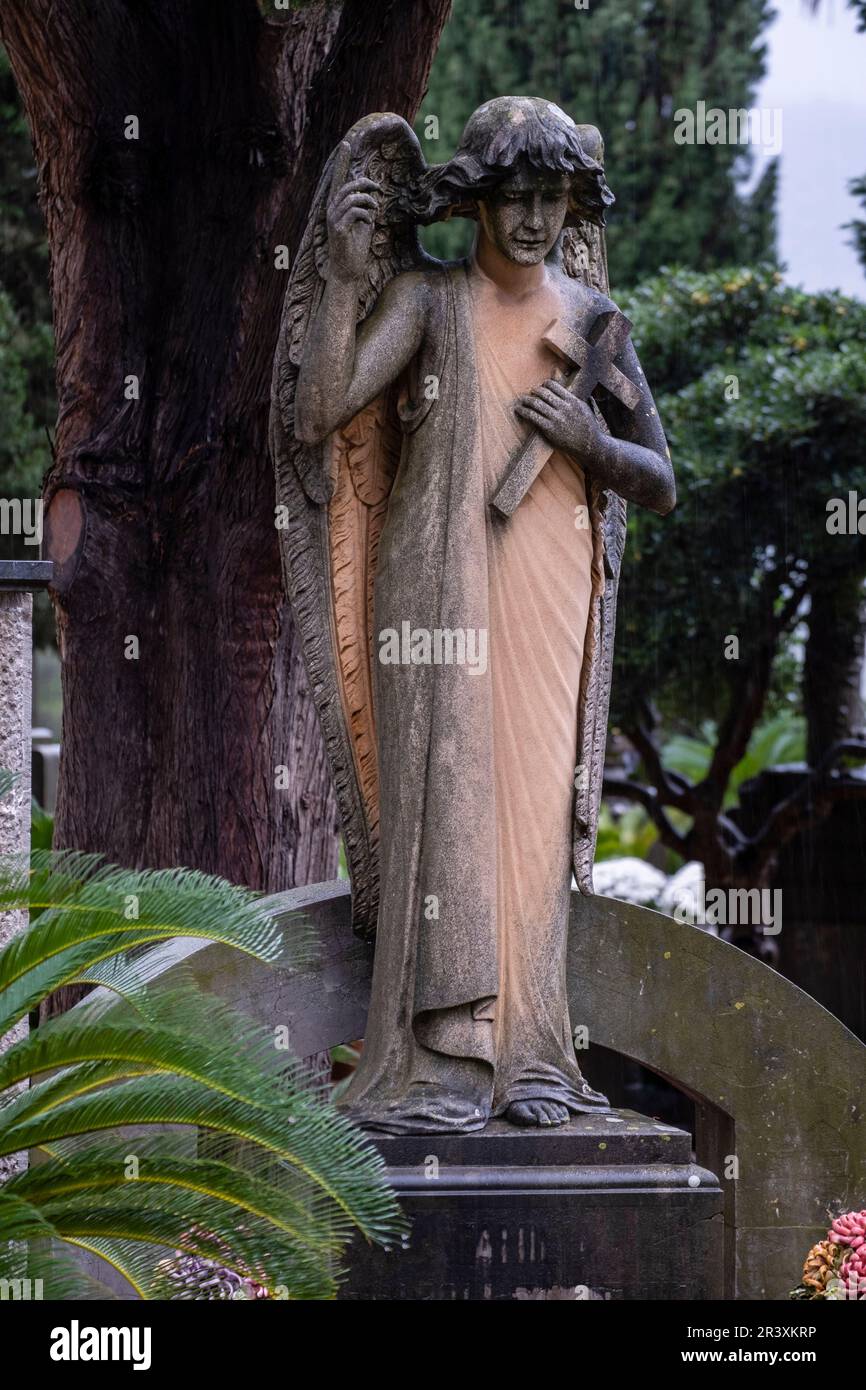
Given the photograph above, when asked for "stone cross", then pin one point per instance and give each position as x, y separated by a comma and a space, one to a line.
593, 361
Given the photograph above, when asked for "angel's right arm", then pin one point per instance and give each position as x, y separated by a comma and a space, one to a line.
342, 370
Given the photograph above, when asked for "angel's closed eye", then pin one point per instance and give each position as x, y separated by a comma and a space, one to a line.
550, 195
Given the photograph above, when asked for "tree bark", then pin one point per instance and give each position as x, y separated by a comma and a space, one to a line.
160, 499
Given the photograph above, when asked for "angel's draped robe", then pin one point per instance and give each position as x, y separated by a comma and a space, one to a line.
477, 766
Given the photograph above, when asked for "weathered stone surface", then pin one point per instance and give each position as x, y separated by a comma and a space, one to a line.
778, 1081
469, 790
621, 1136
16, 610
606, 1207
730, 1031
23, 575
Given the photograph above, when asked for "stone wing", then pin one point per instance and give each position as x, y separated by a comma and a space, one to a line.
334, 499
584, 256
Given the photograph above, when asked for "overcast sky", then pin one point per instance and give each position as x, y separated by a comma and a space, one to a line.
817, 76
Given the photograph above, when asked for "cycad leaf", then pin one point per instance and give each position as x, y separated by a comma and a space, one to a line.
102, 1173
310, 1137
83, 920
200, 1206
281, 1179
32, 1253
19, 1219
254, 1249
229, 1056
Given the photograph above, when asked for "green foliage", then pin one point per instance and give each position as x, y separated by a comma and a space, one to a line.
857, 227
27, 404
631, 834
23, 248
41, 826
859, 8
41, 836
285, 1180
23, 446
626, 66
762, 390
779, 740
347, 1056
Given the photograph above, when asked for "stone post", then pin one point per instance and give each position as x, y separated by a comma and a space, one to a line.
18, 579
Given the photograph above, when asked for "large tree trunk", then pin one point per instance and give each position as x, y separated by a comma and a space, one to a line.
160, 507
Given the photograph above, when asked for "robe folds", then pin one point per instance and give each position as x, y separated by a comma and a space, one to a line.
478, 757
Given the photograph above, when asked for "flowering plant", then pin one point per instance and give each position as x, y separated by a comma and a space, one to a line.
835, 1268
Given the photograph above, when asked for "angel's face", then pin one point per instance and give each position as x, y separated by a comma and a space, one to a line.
525, 213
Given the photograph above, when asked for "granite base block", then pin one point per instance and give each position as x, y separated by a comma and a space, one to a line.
604, 1207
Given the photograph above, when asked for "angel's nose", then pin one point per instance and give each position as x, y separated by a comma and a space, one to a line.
533, 212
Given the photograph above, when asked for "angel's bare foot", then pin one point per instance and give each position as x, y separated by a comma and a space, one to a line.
536, 1112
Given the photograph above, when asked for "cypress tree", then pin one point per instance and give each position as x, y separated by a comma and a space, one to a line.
626, 66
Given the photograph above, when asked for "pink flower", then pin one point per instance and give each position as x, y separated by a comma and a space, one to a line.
852, 1276
849, 1229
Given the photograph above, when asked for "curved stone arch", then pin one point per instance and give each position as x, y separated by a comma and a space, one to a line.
734, 1033
738, 1037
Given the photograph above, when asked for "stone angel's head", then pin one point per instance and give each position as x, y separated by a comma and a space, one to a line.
525, 171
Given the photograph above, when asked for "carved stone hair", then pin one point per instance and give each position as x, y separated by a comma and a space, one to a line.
497, 136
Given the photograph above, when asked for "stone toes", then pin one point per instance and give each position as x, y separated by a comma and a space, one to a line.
519, 1113
552, 1112
555, 1113
537, 1112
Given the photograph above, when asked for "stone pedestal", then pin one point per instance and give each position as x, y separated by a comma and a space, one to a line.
605, 1207
18, 579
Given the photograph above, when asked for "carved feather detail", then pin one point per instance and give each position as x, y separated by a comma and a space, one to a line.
336, 497
367, 453
584, 257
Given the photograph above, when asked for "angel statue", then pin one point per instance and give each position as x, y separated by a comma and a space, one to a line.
454, 447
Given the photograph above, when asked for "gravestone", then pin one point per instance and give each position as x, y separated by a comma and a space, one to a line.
777, 1081
604, 1207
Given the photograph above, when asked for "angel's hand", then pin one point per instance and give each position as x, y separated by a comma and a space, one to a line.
351, 209
568, 423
